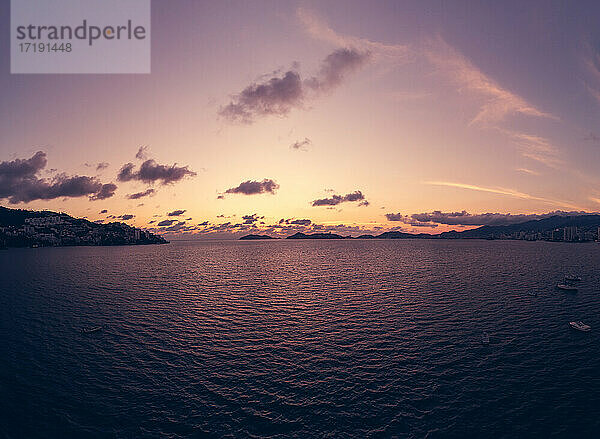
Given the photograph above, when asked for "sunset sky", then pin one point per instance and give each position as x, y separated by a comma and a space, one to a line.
356, 116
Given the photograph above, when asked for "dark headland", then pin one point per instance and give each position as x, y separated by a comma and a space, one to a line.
316, 236
575, 228
28, 228
254, 237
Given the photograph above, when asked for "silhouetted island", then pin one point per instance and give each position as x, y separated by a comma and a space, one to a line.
29, 228
254, 237
300, 235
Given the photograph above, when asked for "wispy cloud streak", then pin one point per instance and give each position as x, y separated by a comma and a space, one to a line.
505, 191
318, 28
497, 102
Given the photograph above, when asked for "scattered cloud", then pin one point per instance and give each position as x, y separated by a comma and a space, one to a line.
104, 211
251, 187
274, 96
294, 222
20, 182
101, 166
406, 219
142, 153
176, 213
151, 172
251, 219
335, 67
334, 200
301, 145
106, 191
165, 223
280, 92
125, 217
301, 222
142, 194
176, 227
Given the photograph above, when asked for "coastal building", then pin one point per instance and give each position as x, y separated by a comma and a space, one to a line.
570, 234
557, 235
44, 221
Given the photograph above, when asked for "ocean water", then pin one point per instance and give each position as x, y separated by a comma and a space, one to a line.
301, 339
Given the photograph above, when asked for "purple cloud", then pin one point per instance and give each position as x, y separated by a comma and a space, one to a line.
20, 182
139, 195
251, 187
151, 172
334, 200
282, 92
164, 223
301, 145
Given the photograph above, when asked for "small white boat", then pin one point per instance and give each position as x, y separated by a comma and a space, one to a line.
580, 326
566, 287
485, 338
533, 293
572, 278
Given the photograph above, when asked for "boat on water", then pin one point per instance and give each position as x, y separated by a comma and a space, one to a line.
485, 338
533, 293
580, 326
91, 330
572, 278
566, 287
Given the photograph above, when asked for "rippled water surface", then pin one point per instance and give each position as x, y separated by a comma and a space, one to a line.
335, 339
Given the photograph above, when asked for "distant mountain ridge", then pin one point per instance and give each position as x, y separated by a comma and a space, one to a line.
542, 229
534, 226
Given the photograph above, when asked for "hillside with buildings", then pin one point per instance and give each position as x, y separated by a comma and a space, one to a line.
577, 228
27, 228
